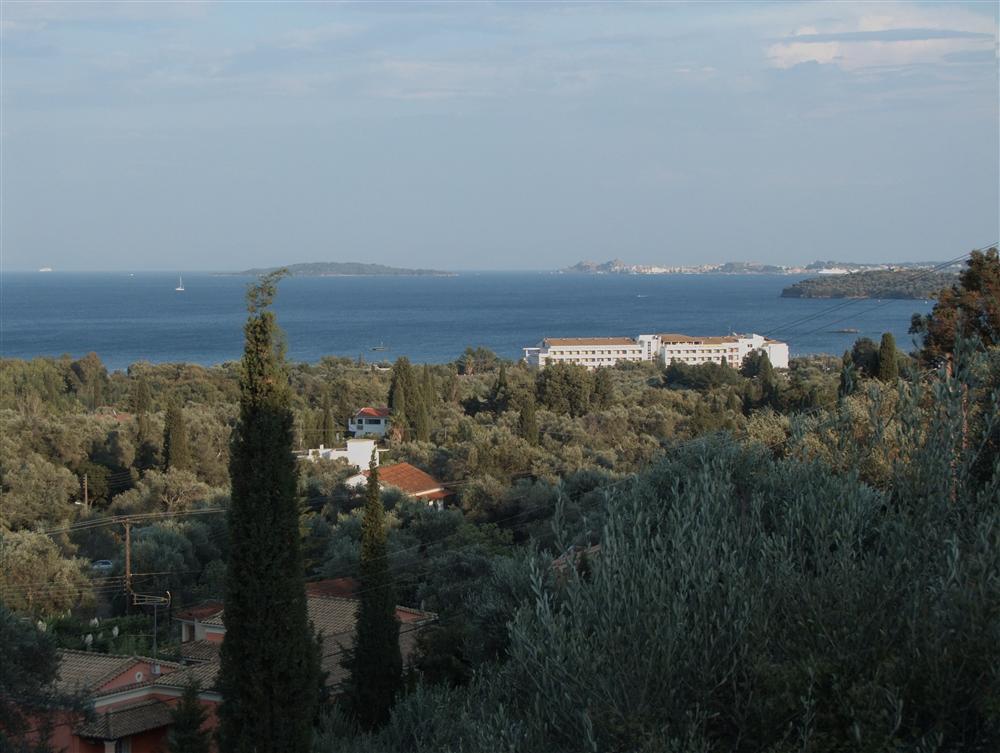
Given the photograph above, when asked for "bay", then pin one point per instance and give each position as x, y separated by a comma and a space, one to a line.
125, 319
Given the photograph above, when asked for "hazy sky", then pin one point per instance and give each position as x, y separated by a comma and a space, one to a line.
184, 136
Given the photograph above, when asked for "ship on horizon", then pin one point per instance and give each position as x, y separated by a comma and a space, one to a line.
45, 269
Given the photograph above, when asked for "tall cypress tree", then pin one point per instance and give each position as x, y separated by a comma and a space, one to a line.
528, 425
404, 397
500, 394
270, 672
374, 663
176, 451
327, 424
888, 368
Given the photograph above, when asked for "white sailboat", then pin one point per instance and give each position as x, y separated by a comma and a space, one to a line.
180, 284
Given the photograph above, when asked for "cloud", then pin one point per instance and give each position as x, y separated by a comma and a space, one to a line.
904, 36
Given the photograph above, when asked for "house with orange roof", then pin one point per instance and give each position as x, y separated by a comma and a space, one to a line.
369, 422
131, 699
408, 479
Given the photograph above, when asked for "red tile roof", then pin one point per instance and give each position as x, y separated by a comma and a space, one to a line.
409, 479
199, 611
343, 587
589, 341
373, 412
126, 721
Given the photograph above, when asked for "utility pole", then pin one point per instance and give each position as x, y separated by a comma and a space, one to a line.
86, 498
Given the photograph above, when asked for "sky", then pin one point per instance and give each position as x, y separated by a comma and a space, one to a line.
506, 135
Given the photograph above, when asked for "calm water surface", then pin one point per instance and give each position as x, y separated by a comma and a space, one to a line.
125, 318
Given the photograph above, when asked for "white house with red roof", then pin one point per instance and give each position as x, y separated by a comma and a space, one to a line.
368, 421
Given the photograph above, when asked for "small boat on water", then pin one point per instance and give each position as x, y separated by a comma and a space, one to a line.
847, 331
180, 285
380, 346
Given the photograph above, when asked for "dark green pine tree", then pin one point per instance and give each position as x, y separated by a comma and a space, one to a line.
427, 386
404, 400
187, 721
604, 389
421, 420
888, 367
374, 664
270, 675
848, 376
176, 451
142, 406
768, 381
500, 394
328, 430
527, 423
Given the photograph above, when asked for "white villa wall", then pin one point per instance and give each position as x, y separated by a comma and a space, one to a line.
357, 453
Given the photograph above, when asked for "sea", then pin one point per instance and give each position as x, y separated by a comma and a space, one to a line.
126, 318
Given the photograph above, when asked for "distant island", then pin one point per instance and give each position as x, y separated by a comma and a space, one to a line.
347, 269
894, 283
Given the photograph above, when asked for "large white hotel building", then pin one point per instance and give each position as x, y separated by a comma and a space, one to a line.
593, 352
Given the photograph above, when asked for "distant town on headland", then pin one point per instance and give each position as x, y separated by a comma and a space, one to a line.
619, 267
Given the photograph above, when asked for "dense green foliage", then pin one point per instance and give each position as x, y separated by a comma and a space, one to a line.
27, 673
883, 283
776, 541
187, 733
970, 308
270, 663
742, 600
374, 662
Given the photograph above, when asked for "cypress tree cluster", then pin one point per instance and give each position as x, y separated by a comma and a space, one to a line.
374, 663
411, 399
270, 673
176, 451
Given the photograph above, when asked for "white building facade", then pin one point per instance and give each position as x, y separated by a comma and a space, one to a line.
369, 422
357, 453
594, 352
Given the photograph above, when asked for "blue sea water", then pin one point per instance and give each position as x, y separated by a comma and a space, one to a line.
126, 318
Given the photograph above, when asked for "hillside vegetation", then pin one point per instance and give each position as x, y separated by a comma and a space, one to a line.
883, 283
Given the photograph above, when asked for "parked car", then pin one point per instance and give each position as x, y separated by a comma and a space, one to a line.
102, 565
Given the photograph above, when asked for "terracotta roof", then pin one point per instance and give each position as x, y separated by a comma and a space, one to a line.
343, 587
589, 341
199, 651
205, 675
408, 478
86, 670
199, 611
373, 412
124, 721
335, 617
669, 338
